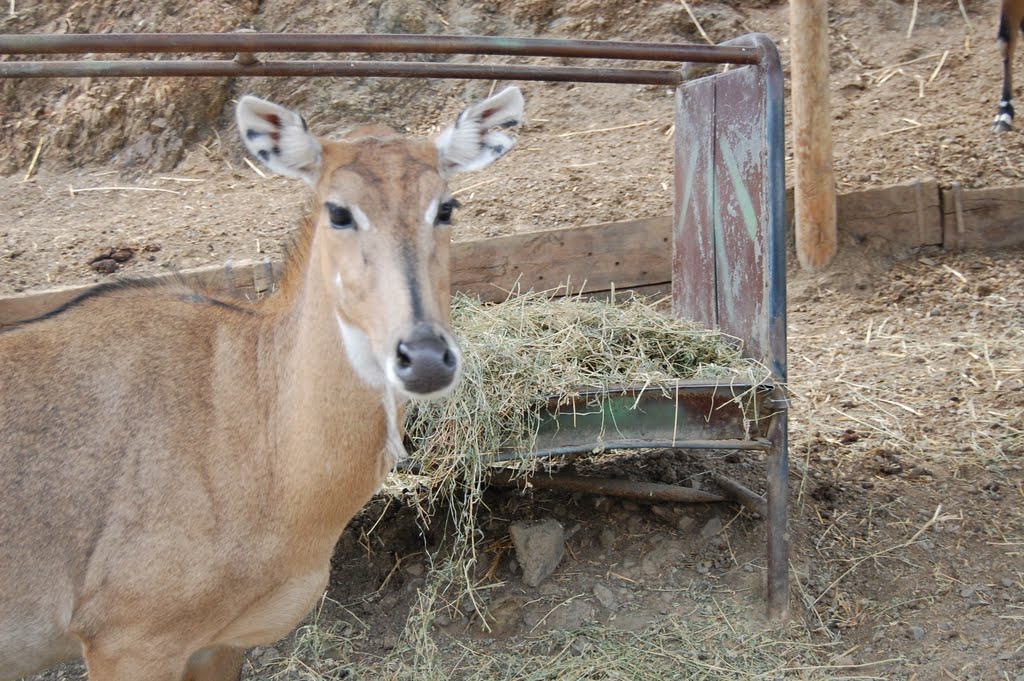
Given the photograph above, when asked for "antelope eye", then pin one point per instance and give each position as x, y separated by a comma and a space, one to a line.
341, 217
444, 212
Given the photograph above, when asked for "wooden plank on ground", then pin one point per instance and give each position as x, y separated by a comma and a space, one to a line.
594, 258
992, 217
906, 214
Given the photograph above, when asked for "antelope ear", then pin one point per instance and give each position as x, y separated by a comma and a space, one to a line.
279, 138
469, 143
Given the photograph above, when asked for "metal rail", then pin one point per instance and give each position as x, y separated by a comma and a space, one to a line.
378, 43
249, 43
66, 69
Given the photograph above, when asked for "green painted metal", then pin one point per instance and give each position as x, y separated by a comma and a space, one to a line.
692, 415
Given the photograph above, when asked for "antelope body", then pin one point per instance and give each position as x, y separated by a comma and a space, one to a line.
1011, 23
175, 470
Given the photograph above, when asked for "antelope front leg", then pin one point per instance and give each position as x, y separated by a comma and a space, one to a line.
134, 665
219, 663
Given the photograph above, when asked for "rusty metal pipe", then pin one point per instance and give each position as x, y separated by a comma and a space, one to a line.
747, 498
73, 69
362, 43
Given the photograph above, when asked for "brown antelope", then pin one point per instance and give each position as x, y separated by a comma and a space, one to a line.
1011, 16
175, 468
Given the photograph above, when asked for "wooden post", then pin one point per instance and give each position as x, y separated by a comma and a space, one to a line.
815, 196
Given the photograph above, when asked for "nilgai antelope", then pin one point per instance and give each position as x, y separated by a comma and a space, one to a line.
1011, 16
175, 469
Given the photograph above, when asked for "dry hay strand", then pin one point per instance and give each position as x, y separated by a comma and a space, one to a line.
715, 639
520, 354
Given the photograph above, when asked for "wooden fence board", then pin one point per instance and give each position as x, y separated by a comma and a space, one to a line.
639, 253
992, 217
595, 258
245, 279
906, 214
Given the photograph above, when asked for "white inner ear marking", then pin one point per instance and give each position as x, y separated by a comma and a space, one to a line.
362, 222
431, 215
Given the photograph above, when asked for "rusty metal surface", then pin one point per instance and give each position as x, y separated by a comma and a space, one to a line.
740, 220
372, 43
249, 43
696, 415
740, 190
749, 499
386, 69
774, 311
693, 238
777, 472
729, 253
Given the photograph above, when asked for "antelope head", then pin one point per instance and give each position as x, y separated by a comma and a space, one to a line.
381, 231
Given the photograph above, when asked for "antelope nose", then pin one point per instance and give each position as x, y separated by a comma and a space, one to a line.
425, 362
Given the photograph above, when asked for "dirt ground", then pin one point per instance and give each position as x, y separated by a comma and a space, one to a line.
907, 429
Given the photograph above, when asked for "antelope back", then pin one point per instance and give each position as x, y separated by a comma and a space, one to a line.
379, 235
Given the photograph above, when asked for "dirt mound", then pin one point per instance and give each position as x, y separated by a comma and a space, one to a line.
136, 123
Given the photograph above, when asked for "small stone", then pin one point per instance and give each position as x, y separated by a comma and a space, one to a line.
539, 548
606, 597
916, 633
686, 524
606, 538
664, 513
711, 528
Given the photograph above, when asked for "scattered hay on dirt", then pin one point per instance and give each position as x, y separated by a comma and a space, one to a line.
717, 639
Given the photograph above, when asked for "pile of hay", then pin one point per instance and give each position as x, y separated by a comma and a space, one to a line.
521, 353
